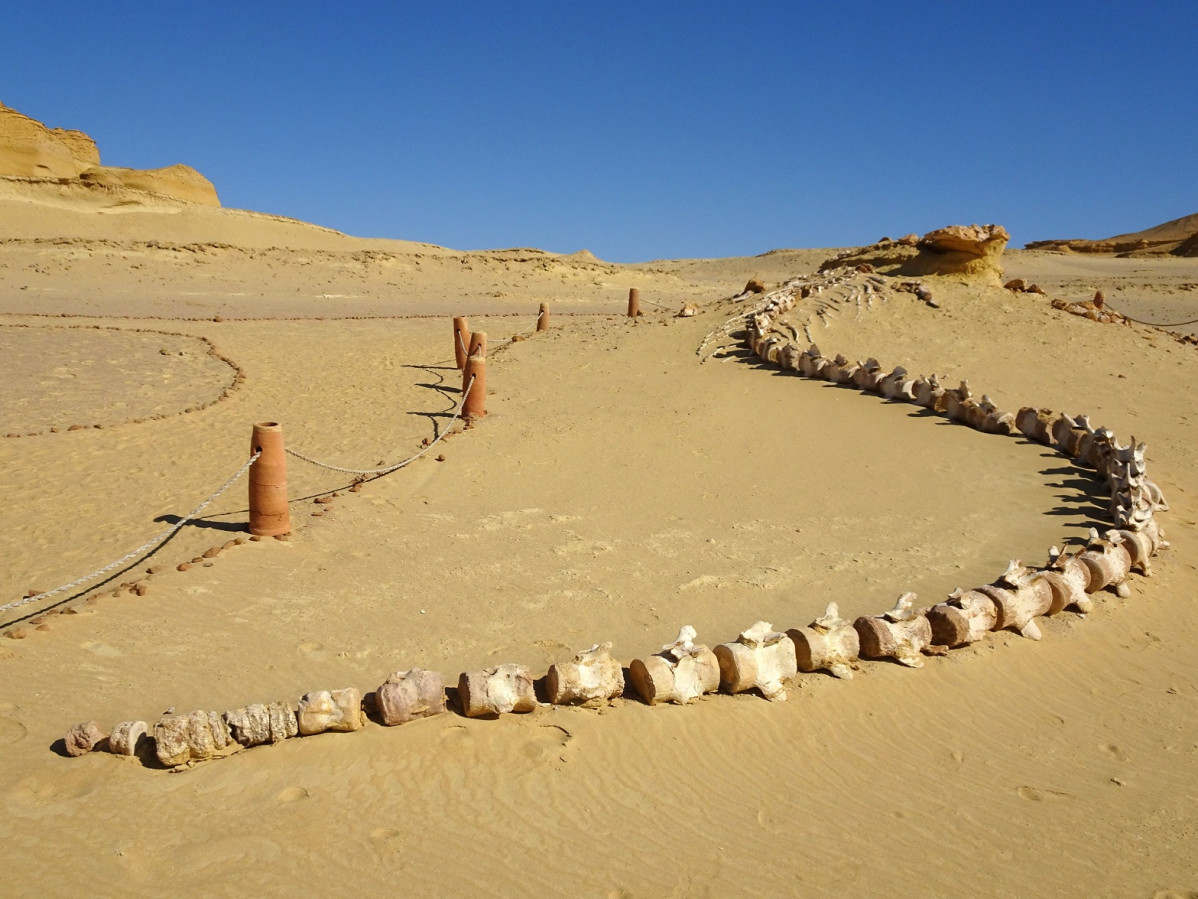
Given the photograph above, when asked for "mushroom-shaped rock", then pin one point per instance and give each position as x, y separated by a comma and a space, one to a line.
497, 691
126, 736
336, 710
830, 642
903, 633
761, 657
966, 617
408, 695
592, 676
82, 738
680, 673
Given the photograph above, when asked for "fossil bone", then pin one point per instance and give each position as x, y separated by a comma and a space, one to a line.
126, 736
335, 710
592, 676
408, 695
256, 724
902, 633
1109, 561
497, 691
82, 738
194, 737
966, 617
680, 673
761, 657
829, 642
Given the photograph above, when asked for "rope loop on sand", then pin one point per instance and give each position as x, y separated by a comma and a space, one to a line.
144, 548
398, 465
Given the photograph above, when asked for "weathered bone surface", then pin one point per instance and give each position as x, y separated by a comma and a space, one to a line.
903, 633
82, 738
1035, 424
929, 393
811, 363
830, 642
408, 695
126, 737
335, 710
761, 657
257, 724
680, 673
967, 617
1108, 561
1022, 595
497, 691
1010, 614
897, 386
1068, 577
955, 399
868, 374
194, 737
592, 676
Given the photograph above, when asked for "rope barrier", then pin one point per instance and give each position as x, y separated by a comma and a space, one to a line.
390, 468
1157, 324
144, 548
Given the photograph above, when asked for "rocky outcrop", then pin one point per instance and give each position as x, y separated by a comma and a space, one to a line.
1178, 237
178, 181
28, 149
973, 251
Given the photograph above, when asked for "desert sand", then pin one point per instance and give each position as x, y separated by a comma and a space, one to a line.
619, 488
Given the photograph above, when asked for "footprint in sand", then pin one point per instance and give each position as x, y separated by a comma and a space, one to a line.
546, 743
1114, 752
11, 731
314, 651
292, 794
1036, 795
95, 647
387, 839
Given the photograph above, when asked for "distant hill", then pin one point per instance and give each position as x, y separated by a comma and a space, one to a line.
1178, 237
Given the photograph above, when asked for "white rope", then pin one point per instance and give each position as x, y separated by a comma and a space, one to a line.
144, 548
398, 465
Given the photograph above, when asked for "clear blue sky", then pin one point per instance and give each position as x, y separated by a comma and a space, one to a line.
638, 130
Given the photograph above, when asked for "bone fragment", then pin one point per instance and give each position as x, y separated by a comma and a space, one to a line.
258, 723
1108, 561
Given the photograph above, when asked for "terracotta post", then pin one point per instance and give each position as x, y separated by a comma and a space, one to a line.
461, 338
634, 302
543, 318
269, 513
476, 369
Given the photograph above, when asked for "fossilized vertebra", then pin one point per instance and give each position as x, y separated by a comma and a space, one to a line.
497, 691
903, 633
592, 676
829, 642
761, 657
680, 673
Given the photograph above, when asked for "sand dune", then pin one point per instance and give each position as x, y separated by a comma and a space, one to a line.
617, 489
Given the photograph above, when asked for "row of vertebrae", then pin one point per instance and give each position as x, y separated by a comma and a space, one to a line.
1134, 496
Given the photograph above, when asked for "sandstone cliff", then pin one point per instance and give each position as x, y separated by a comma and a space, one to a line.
970, 251
30, 150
